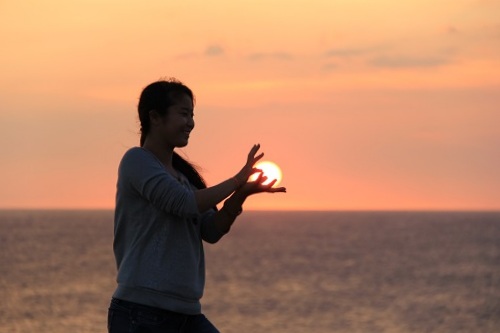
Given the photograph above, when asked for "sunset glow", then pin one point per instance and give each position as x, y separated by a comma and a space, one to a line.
382, 104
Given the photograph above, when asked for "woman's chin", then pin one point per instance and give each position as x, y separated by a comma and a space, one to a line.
182, 143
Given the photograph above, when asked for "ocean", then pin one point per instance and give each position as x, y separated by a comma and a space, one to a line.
321, 272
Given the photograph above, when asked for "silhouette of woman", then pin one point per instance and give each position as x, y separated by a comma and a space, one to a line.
164, 212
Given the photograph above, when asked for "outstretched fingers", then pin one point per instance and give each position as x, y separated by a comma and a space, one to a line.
270, 186
255, 170
253, 151
277, 189
258, 157
252, 159
271, 189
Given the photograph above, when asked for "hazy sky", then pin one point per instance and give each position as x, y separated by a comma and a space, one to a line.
363, 104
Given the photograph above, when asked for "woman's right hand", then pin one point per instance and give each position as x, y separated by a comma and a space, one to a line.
249, 169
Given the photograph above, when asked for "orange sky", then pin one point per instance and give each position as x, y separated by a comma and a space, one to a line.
363, 104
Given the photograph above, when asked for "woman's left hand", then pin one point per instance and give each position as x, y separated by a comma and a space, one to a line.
258, 186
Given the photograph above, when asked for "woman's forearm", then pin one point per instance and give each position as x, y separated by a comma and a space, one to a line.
225, 217
211, 196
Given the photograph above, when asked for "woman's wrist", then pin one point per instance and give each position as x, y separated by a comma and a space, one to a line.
231, 212
233, 206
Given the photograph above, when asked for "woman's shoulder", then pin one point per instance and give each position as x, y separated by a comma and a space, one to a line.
134, 151
138, 162
138, 155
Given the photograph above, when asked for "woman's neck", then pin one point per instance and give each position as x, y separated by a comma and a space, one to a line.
164, 154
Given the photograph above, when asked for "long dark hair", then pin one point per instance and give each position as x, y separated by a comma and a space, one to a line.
159, 96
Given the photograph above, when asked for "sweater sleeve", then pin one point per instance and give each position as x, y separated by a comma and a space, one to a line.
145, 175
209, 231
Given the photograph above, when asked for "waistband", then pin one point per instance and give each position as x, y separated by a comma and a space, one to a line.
127, 305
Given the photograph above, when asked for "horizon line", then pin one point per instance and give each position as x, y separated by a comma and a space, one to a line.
493, 210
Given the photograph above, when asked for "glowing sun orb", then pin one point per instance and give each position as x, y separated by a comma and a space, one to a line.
271, 170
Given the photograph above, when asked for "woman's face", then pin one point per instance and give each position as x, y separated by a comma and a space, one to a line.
178, 122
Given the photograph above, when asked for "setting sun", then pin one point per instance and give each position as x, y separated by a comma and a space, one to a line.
271, 170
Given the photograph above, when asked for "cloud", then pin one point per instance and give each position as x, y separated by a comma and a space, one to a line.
211, 51
387, 56
328, 67
407, 62
344, 53
272, 56
452, 30
214, 51
353, 52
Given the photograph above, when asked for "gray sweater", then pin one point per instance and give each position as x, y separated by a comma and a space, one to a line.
158, 235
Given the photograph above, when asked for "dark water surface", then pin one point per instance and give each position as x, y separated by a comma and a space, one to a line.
275, 272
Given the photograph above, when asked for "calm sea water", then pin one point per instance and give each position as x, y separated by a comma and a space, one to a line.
275, 272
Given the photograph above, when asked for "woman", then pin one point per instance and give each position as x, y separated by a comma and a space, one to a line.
163, 212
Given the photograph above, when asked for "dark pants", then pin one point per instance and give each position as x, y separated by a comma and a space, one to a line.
128, 317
